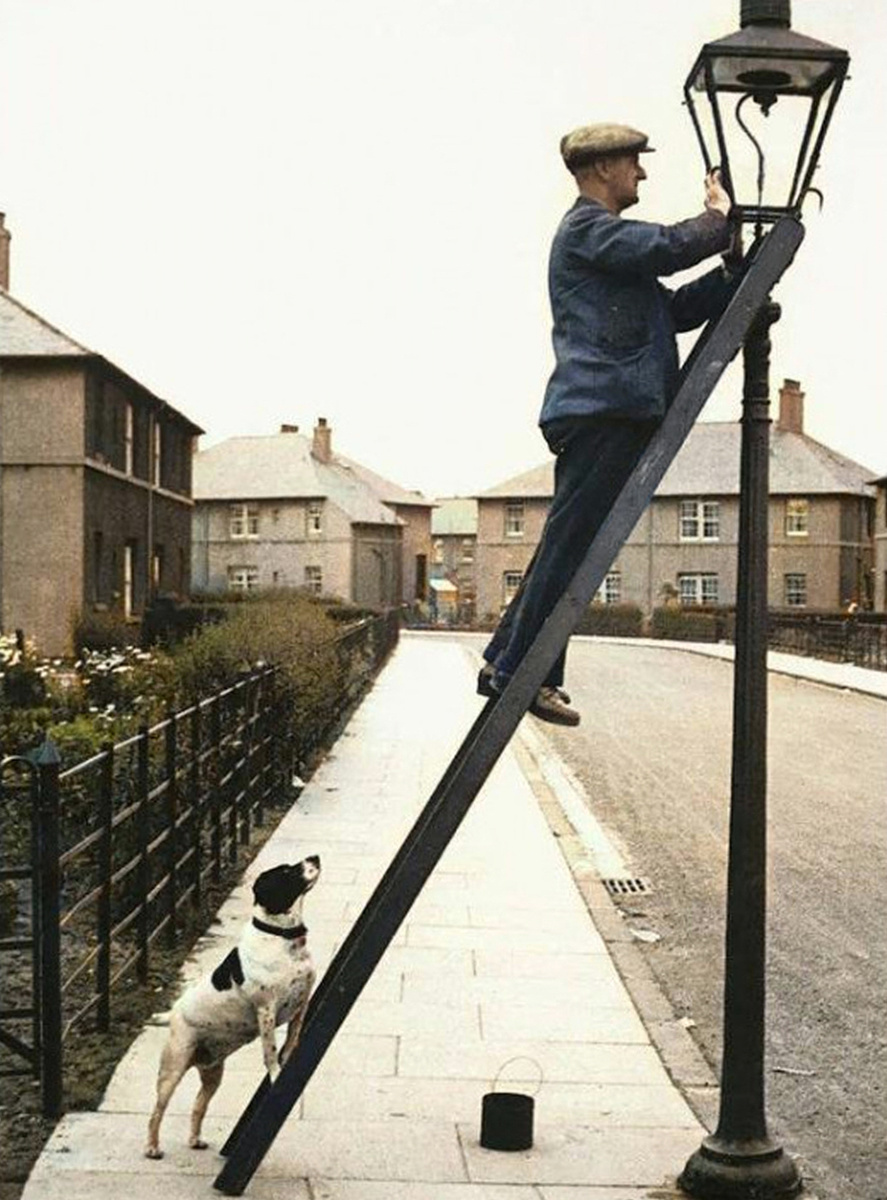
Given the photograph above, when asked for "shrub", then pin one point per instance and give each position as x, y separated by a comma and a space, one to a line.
103, 631
691, 624
290, 632
612, 620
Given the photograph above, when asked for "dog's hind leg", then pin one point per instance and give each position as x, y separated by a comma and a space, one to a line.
173, 1065
210, 1078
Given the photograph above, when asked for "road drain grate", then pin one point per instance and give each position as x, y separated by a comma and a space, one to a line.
627, 887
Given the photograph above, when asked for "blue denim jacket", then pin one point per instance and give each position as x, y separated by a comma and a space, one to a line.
614, 322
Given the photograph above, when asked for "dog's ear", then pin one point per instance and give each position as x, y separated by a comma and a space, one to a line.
277, 889
268, 889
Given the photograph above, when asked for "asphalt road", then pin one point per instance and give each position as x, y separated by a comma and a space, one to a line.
653, 753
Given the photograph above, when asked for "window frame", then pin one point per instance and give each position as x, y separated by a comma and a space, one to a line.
700, 580
313, 577
515, 519
700, 515
250, 582
801, 516
246, 517
314, 518
510, 590
788, 596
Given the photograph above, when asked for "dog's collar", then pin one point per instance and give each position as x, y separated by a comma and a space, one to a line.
290, 932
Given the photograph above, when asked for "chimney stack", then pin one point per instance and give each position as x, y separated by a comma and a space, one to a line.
289, 429
322, 443
791, 407
5, 237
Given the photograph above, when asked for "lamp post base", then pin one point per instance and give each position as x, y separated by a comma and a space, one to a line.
721, 1170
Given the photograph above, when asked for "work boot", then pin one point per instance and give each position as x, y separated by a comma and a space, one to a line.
549, 706
486, 686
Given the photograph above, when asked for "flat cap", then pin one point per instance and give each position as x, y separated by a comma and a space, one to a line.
589, 142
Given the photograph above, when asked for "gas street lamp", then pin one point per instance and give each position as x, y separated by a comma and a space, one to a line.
793, 80
764, 63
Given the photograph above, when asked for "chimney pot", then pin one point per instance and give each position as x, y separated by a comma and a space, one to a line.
322, 441
791, 407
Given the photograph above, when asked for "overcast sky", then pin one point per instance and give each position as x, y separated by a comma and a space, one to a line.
274, 210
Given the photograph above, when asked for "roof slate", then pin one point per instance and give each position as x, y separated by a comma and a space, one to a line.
455, 516
24, 334
281, 466
708, 464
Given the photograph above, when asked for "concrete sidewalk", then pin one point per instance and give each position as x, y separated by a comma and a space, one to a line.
499, 959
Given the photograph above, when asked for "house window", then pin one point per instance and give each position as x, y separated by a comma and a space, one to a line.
156, 567
243, 579
438, 551
700, 520
243, 521
514, 518
699, 588
315, 517
156, 458
796, 590
511, 581
314, 580
610, 591
797, 514
129, 572
129, 422
468, 550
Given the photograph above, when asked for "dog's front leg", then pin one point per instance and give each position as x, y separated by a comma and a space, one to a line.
266, 1017
294, 1029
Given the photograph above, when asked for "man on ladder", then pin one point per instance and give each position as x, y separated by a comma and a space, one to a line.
616, 369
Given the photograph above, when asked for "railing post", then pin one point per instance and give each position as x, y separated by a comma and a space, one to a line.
233, 782
47, 764
195, 801
246, 772
103, 927
172, 817
143, 833
216, 795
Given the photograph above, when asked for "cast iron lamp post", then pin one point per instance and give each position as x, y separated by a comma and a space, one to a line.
764, 63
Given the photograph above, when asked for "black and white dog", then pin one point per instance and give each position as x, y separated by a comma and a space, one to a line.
264, 982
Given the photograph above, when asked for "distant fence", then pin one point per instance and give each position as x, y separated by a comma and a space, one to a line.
858, 638
120, 846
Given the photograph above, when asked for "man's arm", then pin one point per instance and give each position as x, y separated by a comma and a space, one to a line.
637, 247
703, 298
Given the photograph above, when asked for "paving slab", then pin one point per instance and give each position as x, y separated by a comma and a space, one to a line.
497, 978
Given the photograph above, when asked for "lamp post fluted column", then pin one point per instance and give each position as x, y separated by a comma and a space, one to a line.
741, 1161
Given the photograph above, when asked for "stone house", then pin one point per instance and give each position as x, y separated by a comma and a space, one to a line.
95, 484
285, 511
454, 550
685, 545
881, 544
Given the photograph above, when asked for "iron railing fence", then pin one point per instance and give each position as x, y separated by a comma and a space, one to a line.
125, 843
858, 638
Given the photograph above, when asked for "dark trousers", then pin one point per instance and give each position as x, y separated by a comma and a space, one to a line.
594, 458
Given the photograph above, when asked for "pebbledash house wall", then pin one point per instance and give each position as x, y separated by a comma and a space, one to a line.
62, 482
41, 500
415, 548
880, 564
280, 552
834, 554
360, 563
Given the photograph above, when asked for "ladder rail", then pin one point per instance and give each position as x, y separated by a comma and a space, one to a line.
495, 725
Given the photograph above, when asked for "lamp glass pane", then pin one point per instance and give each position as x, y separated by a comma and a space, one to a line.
804, 74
